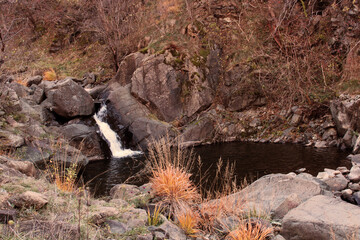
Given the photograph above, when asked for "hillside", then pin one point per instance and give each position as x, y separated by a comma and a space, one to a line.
250, 69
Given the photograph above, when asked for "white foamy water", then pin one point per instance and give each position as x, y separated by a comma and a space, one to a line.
111, 137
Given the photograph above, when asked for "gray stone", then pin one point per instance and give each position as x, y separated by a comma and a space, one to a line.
329, 134
34, 80
101, 214
38, 95
171, 231
322, 218
345, 113
268, 193
127, 67
201, 130
29, 199
343, 170
70, 155
96, 91
70, 100
295, 120
24, 167
336, 183
124, 191
73, 131
347, 195
320, 144
278, 237
354, 174
355, 159
349, 139
34, 155
135, 218
357, 197
159, 85
116, 227
354, 186
292, 201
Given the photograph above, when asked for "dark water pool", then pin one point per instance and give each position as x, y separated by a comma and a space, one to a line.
252, 160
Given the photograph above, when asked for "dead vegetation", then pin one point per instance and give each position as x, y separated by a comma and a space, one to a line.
198, 214
284, 46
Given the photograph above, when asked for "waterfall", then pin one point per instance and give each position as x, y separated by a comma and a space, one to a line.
111, 137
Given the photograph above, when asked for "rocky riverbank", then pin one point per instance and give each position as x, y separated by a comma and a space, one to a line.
35, 112
297, 206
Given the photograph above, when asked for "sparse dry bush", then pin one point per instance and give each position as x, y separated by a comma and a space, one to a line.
117, 24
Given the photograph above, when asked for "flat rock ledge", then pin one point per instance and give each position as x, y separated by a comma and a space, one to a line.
322, 217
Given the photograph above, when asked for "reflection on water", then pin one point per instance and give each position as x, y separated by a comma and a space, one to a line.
252, 161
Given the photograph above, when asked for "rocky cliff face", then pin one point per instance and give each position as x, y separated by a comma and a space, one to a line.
39, 121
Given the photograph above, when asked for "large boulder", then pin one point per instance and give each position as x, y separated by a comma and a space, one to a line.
199, 131
128, 114
127, 68
322, 218
275, 192
346, 111
85, 138
68, 99
169, 92
159, 86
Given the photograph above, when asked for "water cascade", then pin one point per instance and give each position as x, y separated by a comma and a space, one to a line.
111, 137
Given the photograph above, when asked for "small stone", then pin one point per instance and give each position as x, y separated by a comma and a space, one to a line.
25, 167
346, 195
292, 201
124, 191
337, 183
102, 213
320, 144
330, 172
295, 120
300, 170
354, 174
323, 175
29, 199
357, 197
343, 170
354, 186
116, 227
34, 80
291, 174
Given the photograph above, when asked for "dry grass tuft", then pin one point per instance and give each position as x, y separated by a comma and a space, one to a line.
173, 185
249, 231
188, 220
21, 82
170, 169
63, 174
50, 75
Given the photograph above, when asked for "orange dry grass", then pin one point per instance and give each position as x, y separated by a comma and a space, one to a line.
173, 185
213, 211
21, 82
65, 185
169, 166
50, 75
247, 231
188, 221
